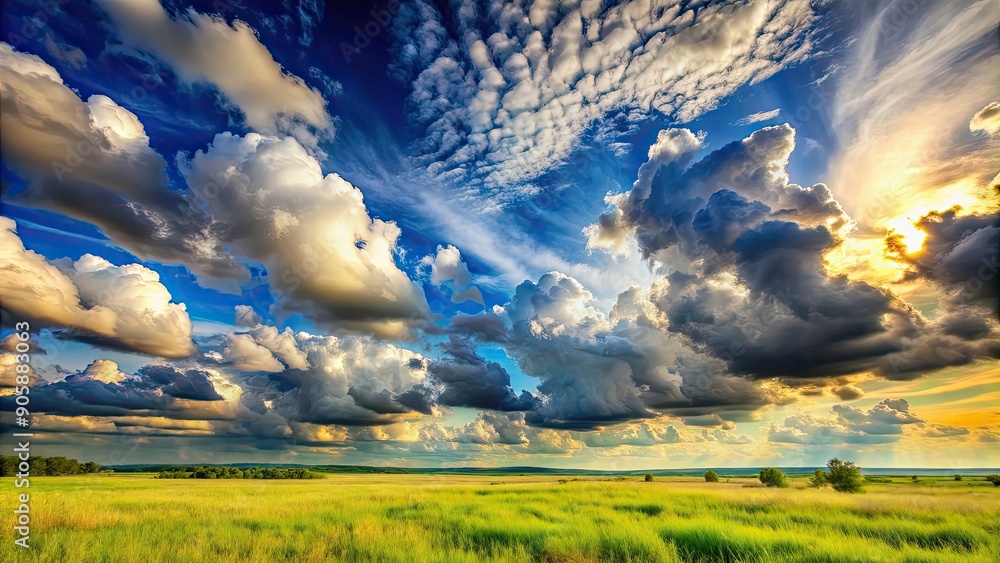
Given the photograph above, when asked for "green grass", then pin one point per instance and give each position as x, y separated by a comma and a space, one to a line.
412, 518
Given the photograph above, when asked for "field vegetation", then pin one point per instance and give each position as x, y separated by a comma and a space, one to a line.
413, 518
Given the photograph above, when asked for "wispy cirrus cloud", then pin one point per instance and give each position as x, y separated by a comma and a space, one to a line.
758, 117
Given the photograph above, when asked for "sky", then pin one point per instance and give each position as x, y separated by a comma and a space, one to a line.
557, 233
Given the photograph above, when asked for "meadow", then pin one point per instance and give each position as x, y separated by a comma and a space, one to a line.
412, 518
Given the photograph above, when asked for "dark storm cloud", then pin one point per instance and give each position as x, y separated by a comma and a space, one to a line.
190, 384
733, 216
471, 381
961, 254
486, 326
102, 390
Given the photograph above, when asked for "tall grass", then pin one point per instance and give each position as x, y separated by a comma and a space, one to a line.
410, 518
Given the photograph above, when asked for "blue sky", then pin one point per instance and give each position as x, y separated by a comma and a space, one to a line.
552, 233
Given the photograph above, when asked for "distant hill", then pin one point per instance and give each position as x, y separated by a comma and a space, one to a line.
528, 470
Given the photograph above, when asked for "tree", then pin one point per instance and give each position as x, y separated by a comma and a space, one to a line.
818, 480
711, 476
958, 477
90, 467
773, 477
8, 465
995, 479
845, 476
649, 478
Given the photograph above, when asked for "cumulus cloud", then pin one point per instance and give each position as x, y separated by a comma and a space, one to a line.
246, 317
325, 255
92, 161
205, 49
596, 370
346, 380
471, 381
102, 389
881, 424
122, 306
507, 92
961, 253
254, 198
748, 281
447, 267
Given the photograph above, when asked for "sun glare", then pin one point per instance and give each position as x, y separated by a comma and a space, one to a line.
911, 237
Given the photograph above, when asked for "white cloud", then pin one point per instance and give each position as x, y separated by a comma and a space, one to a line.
447, 267
325, 255
758, 117
512, 98
987, 120
92, 161
255, 197
203, 48
124, 305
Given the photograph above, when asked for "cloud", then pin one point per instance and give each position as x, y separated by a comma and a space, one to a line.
901, 105
205, 49
345, 380
325, 256
961, 253
507, 93
749, 282
246, 317
882, 424
447, 267
254, 198
596, 370
69, 55
987, 120
157, 390
471, 381
123, 306
758, 117
644, 434
92, 161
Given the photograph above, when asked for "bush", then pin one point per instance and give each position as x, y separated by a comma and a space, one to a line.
711, 476
995, 479
818, 479
649, 478
773, 477
845, 476
958, 477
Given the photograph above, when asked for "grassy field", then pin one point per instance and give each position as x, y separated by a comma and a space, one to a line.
479, 518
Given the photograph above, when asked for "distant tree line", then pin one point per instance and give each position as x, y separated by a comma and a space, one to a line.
220, 472
46, 466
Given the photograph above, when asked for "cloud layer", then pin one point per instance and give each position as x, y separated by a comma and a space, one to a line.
507, 89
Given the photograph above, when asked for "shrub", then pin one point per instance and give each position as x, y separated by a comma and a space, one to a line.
845, 476
958, 477
711, 476
818, 479
649, 477
773, 477
995, 479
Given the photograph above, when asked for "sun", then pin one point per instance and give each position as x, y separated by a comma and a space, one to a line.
911, 237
